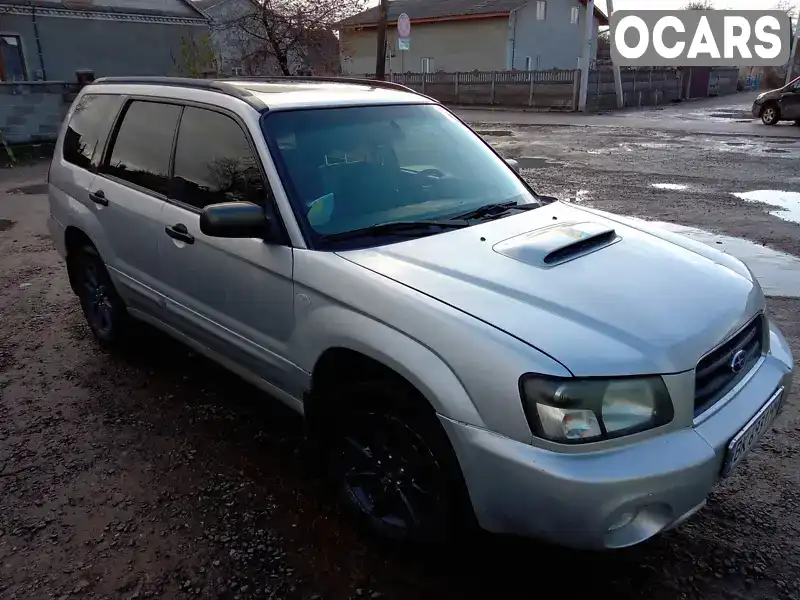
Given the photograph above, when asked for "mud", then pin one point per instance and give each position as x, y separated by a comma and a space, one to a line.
154, 473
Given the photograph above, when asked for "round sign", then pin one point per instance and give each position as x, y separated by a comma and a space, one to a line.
404, 26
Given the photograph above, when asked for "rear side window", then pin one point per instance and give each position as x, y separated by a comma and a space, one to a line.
88, 128
214, 162
142, 147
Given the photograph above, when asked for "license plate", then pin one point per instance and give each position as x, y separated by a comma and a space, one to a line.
748, 437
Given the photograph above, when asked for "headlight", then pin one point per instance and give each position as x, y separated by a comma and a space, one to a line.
588, 410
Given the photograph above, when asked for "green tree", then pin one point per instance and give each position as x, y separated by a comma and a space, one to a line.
196, 56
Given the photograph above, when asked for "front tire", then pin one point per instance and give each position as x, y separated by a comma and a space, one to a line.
393, 466
102, 306
770, 114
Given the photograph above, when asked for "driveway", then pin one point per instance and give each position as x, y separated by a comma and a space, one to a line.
157, 474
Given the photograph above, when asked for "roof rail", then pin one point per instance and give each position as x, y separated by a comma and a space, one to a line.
214, 85
378, 83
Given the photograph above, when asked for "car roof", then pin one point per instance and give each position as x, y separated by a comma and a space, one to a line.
281, 93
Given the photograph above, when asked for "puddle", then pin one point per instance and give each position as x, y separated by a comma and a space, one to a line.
580, 196
494, 132
34, 189
729, 114
777, 272
788, 203
669, 186
655, 145
6, 224
790, 150
536, 162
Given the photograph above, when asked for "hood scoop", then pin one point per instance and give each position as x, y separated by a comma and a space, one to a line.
557, 244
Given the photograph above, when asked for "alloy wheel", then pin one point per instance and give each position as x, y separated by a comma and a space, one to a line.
389, 473
97, 299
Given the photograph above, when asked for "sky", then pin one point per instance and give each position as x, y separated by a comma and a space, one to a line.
665, 4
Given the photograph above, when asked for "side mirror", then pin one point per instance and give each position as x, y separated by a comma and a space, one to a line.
234, 220
513, 164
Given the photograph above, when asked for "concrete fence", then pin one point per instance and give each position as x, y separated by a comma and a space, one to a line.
656, 86
33, 111
556, 89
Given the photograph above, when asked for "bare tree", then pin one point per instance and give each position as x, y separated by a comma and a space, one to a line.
699, 5
289, 33
787, 6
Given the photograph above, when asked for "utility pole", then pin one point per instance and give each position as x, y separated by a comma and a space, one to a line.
380, 64
617, 75
587, 49
793, 55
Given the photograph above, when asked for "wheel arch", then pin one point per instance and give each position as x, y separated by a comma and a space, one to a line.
362, 346
74, 239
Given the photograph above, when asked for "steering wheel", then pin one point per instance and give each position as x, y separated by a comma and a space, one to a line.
430, 173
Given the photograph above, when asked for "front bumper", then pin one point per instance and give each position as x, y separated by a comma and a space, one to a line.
577, 499
756, 110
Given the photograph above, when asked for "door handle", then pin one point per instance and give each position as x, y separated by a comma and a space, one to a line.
179, 232
98, 197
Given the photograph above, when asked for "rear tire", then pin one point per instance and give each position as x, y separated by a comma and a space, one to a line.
102, 306
393, 466
770, 114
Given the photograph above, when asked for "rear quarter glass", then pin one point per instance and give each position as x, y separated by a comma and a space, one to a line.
89, 126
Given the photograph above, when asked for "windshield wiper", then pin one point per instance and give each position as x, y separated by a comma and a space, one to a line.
410, 228
495, 210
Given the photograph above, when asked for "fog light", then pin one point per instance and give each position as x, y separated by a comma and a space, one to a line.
625, 518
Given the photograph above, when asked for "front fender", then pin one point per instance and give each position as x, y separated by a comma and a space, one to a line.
335, 326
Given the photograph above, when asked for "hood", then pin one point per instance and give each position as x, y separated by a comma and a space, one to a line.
601, 294
770, 95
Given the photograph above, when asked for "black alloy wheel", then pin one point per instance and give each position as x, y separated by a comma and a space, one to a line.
392, 471
102, 307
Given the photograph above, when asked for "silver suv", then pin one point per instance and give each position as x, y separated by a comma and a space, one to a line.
464, 349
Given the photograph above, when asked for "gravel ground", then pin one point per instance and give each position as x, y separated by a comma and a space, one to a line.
157, 474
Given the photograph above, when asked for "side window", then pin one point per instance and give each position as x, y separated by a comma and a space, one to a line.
214, 162
88, 128
143, 145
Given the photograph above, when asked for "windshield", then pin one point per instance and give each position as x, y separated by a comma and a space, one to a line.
348, 169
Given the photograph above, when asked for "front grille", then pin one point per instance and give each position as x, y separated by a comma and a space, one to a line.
715, 375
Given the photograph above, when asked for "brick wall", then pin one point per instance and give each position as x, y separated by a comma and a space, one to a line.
34, 111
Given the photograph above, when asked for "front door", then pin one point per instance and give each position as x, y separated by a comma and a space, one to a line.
235, 296
790, 103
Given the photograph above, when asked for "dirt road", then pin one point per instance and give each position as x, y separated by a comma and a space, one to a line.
157, 474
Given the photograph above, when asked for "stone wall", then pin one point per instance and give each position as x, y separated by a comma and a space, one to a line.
34, 111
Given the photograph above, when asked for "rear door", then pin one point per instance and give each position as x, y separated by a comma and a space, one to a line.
75, 162
128, 196
233, 295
